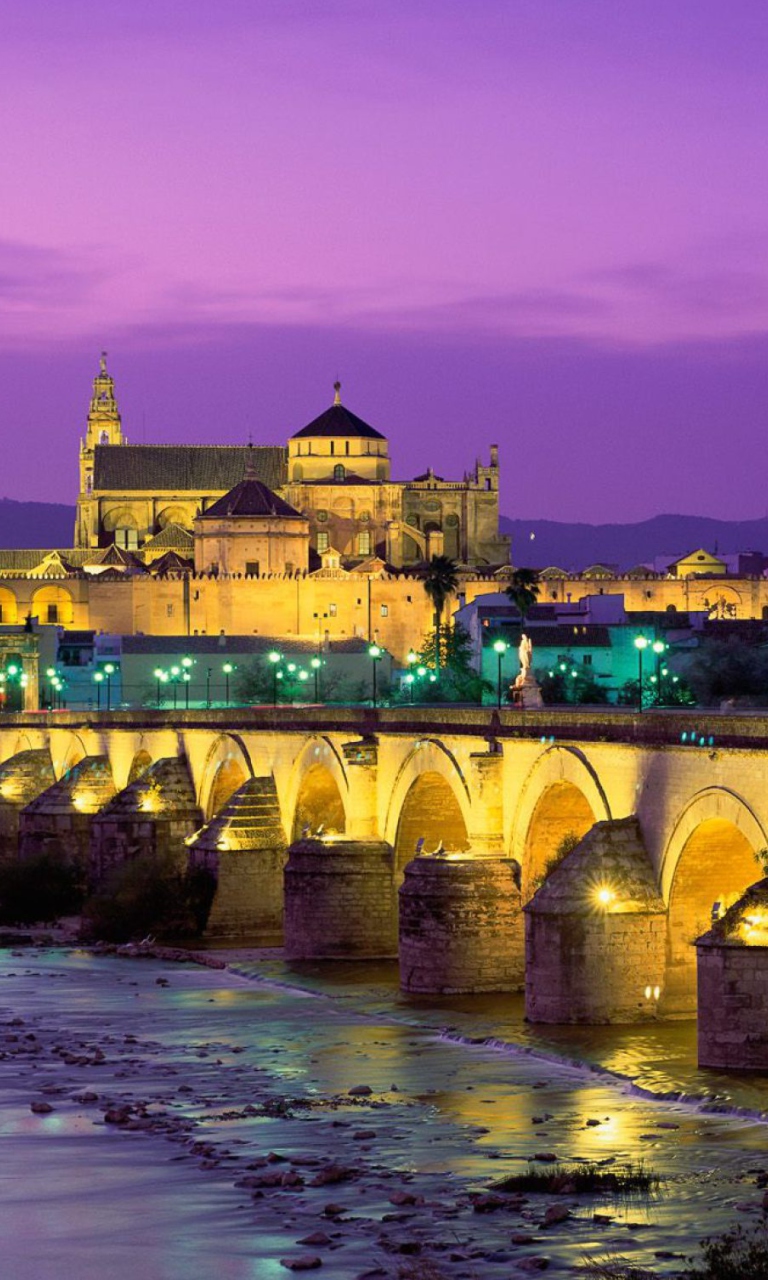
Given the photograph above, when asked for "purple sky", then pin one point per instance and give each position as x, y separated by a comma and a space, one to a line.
537, 222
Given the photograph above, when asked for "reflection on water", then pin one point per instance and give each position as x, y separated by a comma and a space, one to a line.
659, 1057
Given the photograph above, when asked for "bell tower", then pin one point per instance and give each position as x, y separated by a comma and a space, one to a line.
104, 427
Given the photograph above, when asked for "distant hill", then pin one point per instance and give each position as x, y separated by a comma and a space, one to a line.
36, 524
574, 546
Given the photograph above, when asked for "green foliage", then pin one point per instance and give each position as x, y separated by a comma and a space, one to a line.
523, 590
39, 889
728, 668
440, 581
565, 846
457, 680
252, 682
149, 895
563, 687
735, 1255
581, 1179
674, 693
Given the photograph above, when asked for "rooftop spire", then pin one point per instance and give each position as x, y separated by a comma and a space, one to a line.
337, 392
250, 465
103, 365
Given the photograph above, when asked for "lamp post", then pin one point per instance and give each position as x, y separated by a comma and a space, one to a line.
641, 644
175, 673
227, 669
51, 676
409, 680
208, 675
658, 647
303, 676
158, 680
274, 658
500, 648
316, 664
98, 678
374, 653
109, 671
186, 675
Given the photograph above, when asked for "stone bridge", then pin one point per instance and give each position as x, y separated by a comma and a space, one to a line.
432, 832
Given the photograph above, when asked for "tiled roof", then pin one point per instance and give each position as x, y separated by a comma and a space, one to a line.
199, 468
21, 560
171, 562
250, 498
338, 421
225, 646
171, 536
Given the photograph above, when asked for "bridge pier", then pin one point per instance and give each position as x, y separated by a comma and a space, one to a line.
595, 933
244, 847
461, 927
59, 820
732, 964
22, 778
153, 815
340, 900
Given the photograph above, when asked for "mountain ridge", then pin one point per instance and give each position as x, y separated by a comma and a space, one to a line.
574, 546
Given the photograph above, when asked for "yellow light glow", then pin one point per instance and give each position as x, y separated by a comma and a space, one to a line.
605, 896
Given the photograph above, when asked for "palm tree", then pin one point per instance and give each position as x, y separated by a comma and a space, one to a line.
441, 580
523, 591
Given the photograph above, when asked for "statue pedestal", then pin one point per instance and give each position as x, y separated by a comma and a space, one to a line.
527, 693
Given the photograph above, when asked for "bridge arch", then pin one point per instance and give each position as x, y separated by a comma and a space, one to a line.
431, 800
317, 791
67, 753
227, 766
561, 797
709, 859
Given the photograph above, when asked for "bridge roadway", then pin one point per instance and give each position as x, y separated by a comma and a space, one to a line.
351, 794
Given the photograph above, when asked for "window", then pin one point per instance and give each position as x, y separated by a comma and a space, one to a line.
333, 447
385, 611
251, 568
321, 517
289, 566
364, 543
331, 610
169, 610
127, 538
104, 437
587, 659
364, 517
346, 446
323, 542
339, 471
52, 613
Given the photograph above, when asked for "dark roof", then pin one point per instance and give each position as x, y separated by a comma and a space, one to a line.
196, 468
338, 421
250, 498
226, 645
173, 536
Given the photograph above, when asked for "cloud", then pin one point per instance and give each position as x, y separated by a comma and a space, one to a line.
36, 275
730, 292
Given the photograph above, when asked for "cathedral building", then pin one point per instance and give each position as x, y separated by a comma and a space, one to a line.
334, 474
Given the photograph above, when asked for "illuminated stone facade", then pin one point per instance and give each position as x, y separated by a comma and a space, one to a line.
335, 472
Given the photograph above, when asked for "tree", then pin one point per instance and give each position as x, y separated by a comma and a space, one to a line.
523, 591
458, 682
441, 581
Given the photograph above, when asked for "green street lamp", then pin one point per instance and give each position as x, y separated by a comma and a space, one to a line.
98, 678
274, 657
109, 671
409, 680
227, 669
316, 664
500, 648
374, 653
186, 677
658, 647
641, 644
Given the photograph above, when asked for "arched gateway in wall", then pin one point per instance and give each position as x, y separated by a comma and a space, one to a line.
430, 801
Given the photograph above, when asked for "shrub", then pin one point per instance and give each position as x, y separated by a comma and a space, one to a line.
39, 889
149, 895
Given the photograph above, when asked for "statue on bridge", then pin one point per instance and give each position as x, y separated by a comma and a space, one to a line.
525, 689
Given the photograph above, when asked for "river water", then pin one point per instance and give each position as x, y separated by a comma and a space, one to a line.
230, 1080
